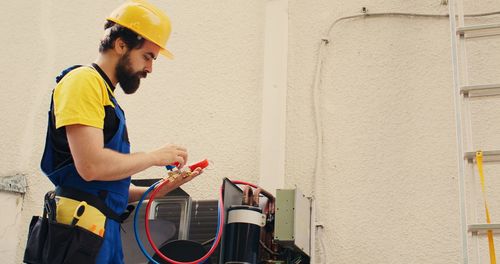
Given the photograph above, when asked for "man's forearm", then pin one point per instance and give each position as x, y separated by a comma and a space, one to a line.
95, 162
135, 193
109, 165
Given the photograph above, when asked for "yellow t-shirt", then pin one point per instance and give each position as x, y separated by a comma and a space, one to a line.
80, 98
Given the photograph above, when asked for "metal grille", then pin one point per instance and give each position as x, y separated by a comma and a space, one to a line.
203, 224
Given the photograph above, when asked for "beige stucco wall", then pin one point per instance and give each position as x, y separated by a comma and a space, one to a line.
11, 222
387, 189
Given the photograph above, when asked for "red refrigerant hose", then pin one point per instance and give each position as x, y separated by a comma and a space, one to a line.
203, 164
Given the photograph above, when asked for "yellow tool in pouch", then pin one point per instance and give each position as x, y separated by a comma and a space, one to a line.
80, 209
80, 213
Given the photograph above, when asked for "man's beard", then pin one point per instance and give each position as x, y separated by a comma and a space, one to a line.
129, 81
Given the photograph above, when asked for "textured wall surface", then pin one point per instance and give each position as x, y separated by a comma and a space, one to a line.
387, 189
11, 221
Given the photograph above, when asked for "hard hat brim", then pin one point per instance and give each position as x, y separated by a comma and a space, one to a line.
167, 54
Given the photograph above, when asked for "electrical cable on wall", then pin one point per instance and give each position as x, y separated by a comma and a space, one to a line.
316, 90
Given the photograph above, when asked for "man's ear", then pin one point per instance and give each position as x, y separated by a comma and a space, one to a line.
120, 47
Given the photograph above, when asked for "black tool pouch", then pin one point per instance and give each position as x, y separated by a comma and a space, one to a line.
70, 244
50, 242
37, 235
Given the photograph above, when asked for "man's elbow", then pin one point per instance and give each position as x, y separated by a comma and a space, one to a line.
87, 172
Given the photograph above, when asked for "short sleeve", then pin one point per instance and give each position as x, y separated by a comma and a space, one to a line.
79, 99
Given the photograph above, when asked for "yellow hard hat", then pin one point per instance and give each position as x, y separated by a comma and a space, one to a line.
146, 20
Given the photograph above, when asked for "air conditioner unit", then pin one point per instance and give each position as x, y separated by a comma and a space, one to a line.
258, 227
172, 217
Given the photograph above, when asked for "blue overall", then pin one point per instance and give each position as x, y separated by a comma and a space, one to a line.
117, 191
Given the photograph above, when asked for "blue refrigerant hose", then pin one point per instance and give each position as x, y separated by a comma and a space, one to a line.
136, 233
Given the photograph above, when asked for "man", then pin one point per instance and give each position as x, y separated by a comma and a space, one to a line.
87, 153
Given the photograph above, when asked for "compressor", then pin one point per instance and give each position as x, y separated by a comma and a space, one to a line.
246, 230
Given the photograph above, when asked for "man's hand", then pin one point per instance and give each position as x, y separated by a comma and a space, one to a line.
175, 182
136, 192
170, 154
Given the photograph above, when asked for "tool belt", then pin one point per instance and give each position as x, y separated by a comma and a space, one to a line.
97, 202
71, 229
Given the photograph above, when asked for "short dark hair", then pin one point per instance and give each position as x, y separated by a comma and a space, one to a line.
131, 39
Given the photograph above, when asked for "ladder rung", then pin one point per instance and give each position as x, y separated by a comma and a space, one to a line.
492, 155
475, 228
479, 30
481, 90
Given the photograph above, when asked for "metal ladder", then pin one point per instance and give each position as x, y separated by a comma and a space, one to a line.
471, 226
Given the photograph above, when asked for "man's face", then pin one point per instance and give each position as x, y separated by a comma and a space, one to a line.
134, 65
